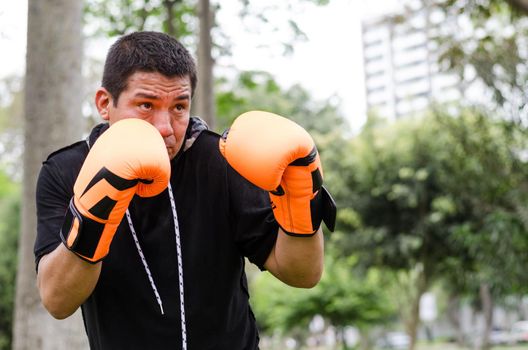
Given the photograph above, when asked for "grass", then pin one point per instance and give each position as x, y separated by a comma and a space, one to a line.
451, 346
419, 346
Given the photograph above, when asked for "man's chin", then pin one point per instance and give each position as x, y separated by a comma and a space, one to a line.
172, 153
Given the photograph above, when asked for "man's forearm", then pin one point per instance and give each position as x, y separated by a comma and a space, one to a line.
297, 261
65, 281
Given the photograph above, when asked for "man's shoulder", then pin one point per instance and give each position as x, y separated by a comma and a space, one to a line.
77, 151
60, 169
209, 136
71, 152
204, 156
207, 141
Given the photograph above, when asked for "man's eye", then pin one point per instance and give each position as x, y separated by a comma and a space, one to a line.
146, 106
179, 107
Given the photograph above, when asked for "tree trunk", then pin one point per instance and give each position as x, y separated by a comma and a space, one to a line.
364, 340
341, 339
453, 314
53, 119
520, 5
169, 19
416, 285
205, 98
487, 310
412, 323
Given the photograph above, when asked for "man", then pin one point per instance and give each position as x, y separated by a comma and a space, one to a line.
158, 223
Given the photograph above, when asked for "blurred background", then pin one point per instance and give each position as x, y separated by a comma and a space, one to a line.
418, 109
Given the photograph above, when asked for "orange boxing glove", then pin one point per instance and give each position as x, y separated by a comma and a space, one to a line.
129, 158
279, 156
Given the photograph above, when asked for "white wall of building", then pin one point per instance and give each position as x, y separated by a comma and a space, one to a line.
400, 59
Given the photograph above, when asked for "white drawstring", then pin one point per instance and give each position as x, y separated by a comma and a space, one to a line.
180, 266
180, 269
145, 265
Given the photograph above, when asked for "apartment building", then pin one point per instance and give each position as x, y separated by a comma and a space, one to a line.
402, 76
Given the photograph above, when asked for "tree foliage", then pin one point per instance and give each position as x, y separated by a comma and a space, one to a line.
115, 18
194, 24
11, 126
438, 197
343, 298
419, 180
257, 90
179, 18
486, 44
491, 196
9, 228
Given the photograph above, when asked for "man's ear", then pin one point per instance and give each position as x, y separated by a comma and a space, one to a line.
103, 101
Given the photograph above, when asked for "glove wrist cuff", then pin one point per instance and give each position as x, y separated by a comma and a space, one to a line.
82, 235
302, 217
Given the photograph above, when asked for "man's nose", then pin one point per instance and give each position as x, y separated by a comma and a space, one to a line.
162, 122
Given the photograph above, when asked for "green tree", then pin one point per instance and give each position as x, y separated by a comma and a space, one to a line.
258, 90
488, 49
11, 126
418, 183
11, 131
193, 23
9, 229
115, 18
491, 202
343, 298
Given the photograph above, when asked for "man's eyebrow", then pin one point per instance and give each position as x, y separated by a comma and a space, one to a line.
148, 96
156, 97
182, 97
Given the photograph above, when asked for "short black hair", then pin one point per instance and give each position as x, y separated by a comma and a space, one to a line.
146, 52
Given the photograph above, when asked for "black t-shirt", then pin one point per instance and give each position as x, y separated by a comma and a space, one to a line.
222, 219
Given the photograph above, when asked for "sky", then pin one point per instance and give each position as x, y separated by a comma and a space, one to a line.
329, 63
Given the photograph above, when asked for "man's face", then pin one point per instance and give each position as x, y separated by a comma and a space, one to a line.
163, 102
